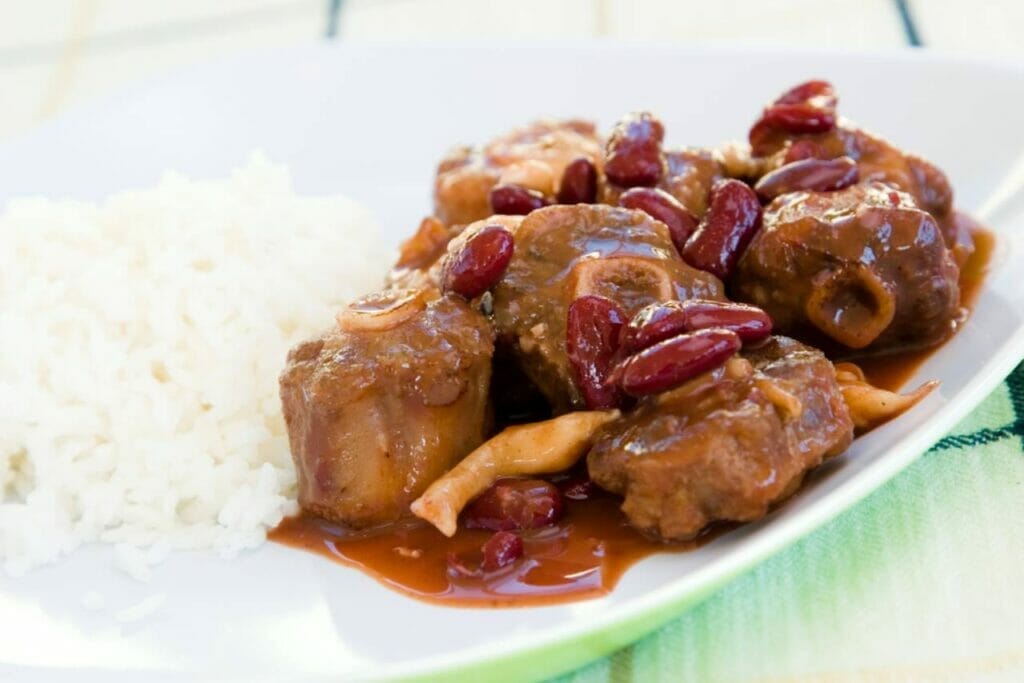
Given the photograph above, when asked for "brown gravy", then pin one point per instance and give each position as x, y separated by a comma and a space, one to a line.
583, 556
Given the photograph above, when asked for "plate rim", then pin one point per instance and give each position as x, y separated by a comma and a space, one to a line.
666, 602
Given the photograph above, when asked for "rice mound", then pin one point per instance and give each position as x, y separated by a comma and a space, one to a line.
140, 344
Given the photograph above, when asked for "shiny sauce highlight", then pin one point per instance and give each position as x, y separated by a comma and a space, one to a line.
582, 556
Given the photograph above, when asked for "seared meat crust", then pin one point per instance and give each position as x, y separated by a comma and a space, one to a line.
374, 416
565, 252
727, 445
864, 266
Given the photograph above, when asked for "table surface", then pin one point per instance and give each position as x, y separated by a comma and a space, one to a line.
940, 604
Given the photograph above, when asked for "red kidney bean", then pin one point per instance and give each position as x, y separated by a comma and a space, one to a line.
805, 149
761, 138
750, 323
501, 550
802, 117
480, 263
662, 206
819, 175
511, 504
633, 154
515, 200
669, 363
819, 93
579, 183
659, 322
806, 108
592, 333
734, 215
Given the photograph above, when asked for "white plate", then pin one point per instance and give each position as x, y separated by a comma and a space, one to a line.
371, 122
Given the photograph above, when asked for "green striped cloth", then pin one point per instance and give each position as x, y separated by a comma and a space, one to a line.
922, 581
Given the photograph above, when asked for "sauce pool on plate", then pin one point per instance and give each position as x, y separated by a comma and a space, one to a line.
582, 556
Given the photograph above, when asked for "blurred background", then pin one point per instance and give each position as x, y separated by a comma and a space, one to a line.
55, 53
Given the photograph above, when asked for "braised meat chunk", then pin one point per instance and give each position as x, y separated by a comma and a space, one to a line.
563, 253
387, 402
727, 445
673, 186
533, 158
563, 162
688, 177
864, 266
418, 254
876, 159
802, 124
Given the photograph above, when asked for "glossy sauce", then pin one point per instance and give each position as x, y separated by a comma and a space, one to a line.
582, 556
892, 371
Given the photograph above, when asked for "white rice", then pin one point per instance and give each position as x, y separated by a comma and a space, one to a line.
140, 344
